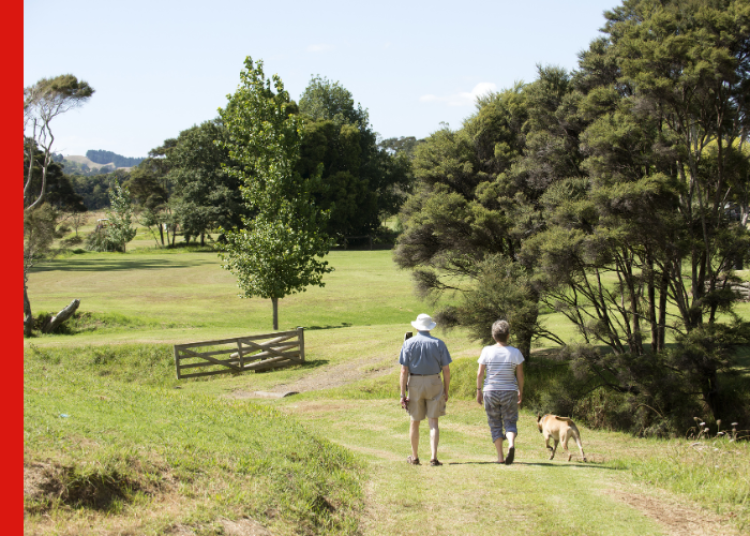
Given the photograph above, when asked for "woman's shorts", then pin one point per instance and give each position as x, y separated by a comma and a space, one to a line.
502, 409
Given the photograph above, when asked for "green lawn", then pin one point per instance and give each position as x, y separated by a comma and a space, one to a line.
190, 292
129, 449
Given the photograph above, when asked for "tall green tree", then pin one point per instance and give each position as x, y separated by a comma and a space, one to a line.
361, 183
280, 249
206, 197
663, 99
154, 190
43, 102
613, 202
120, 215
469, 216
117, 230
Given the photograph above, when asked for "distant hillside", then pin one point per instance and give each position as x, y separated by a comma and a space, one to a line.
80, 165
108, 157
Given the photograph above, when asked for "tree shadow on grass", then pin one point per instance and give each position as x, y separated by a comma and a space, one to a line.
313, 363
121, 263
343, 325
593, 465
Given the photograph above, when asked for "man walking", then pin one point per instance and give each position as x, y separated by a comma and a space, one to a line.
422, 358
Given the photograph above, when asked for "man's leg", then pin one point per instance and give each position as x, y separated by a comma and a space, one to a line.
414, 437
511, 439
434, 436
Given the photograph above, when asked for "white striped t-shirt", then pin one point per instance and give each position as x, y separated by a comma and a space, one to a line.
501, 363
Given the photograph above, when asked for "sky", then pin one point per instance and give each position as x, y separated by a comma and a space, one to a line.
162, 66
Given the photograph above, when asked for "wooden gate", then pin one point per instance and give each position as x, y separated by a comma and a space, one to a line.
240, 354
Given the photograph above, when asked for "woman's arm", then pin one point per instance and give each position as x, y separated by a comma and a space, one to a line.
480, 381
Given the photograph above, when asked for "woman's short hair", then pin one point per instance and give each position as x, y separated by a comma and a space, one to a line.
501, 330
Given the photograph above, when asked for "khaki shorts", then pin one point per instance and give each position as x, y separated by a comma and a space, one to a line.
426, 397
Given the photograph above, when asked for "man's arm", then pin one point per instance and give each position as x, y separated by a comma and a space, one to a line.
446, 380
519, 376
402, 383
480, 381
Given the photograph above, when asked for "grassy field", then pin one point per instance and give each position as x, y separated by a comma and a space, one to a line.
116, 445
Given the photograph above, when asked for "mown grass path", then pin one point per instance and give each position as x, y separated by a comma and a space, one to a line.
470, 495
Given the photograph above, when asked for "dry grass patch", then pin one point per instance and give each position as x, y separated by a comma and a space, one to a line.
676, 516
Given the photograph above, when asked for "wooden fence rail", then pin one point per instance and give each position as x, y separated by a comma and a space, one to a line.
240, 354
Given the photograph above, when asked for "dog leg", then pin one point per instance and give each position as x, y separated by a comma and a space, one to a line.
554, 450
546, 442
564, 440
580, 447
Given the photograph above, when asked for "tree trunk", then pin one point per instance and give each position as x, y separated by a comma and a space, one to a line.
275, 302
524, 345
161, 234
652, 308
28, 321
662, 323
525, 334
62, 316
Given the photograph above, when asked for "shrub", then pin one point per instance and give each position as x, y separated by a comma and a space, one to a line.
72, 241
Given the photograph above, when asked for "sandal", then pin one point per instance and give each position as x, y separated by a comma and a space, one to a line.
509, 457
435, 462
411, 460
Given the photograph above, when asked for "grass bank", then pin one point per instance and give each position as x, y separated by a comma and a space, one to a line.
111, 443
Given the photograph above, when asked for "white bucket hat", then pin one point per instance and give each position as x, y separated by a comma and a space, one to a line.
424, 323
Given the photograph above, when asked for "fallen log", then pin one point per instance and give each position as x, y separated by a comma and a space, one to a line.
62, 316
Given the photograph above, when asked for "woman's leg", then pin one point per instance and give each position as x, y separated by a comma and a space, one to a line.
495, 421
499, 448
509, 410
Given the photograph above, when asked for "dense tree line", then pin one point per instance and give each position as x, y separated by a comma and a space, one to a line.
93, 190
616, 195
185, 182
360, 182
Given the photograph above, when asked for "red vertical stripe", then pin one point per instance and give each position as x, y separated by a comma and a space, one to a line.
12, 436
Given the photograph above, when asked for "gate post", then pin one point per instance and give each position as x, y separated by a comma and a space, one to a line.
301, 335
177, 362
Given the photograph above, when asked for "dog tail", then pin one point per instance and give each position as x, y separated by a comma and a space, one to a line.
567, 420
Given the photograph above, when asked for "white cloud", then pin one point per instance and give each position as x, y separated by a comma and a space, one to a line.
463, 98
322, 47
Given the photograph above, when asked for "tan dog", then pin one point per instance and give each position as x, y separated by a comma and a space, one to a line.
559, 429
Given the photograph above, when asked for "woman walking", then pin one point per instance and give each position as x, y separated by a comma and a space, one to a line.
502, 390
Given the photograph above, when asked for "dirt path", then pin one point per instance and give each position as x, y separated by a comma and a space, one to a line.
323, 378
470, 495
